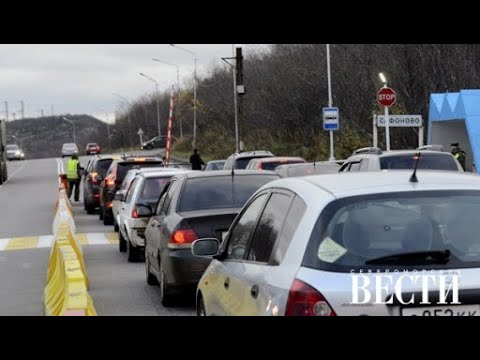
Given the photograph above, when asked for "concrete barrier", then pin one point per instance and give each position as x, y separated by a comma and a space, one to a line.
66, 290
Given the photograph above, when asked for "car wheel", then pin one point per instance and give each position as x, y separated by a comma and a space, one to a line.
122, 244
165, 296
132, 252
107, 220
151, 279
100, 216
90, 208
201, 307
115, 226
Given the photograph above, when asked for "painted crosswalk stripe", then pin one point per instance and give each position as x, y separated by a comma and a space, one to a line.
112, 237
4, 243
97, 239
45, 241
27, 242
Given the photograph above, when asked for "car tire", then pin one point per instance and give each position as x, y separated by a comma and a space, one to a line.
132, 252
122, 244
165, 296
151, 279
115, 226
90, 208
201, 307
100, 216
107, 220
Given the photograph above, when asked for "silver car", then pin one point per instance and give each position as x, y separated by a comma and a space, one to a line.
68, 149
383, 243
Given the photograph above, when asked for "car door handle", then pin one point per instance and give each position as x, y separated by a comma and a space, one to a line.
226, 283
254, 291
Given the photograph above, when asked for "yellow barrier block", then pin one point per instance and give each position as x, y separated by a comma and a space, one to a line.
22, 243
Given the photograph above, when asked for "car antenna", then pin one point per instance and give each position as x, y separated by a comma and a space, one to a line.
413, 178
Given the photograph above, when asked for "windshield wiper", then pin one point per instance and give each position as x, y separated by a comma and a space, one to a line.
413, 258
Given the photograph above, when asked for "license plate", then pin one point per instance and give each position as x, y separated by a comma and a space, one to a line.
454, 310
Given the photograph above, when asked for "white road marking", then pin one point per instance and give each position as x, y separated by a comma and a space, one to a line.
45, 241
4, 243
97, 239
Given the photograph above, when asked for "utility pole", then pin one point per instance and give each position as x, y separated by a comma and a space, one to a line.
240, 90
22, 109
6, 110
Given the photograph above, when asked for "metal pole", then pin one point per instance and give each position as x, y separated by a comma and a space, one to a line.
420, 136
387, 127
178, 99
158, 111
74, 133
234, 71
375, 131
332, 156
6, 110
195, 103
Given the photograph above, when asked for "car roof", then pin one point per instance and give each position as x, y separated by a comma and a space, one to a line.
216, 161
159, 173
204, 174
309, 164
253, 153
372, 182
279, 158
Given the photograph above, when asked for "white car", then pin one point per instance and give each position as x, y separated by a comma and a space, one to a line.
144, 191
68, 149
369, 243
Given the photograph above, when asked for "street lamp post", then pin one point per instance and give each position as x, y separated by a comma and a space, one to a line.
108, 130
194, 92
387, 128
74, 134
178, 89
158, 105
129, 119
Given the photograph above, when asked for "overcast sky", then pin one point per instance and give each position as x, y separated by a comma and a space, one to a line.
78, 78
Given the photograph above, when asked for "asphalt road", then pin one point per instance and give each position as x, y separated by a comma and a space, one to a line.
26, 209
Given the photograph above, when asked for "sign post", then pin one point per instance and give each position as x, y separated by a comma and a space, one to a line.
169, 130
386, 97
330, 123
140, 133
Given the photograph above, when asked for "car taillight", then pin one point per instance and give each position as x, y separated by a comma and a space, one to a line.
304, 300
134, 213
93, 176
182, 238
110, 182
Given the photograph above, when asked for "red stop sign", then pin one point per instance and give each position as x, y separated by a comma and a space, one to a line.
386, 96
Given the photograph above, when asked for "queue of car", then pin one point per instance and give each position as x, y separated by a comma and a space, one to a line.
283, 239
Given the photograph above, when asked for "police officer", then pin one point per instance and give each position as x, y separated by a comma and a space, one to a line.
459, 154
73, 176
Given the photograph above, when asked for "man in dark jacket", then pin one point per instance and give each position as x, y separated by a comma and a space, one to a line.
459, 154
196, 161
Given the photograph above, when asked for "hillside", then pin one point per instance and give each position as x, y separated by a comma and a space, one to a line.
44, 137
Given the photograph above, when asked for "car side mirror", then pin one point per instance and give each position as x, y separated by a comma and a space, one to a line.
119, 197
205, 247
143, 210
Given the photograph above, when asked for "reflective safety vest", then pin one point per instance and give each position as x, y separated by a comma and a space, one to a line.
72, 172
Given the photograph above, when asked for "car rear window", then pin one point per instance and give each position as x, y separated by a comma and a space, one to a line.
220, 191
152, 187
103, 165
271, 165
309, 169
124, 167
353, 231
12, 147
427, 161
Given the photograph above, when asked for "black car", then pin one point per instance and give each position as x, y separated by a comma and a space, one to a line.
114, 178
94, 172
157, 142
192, 206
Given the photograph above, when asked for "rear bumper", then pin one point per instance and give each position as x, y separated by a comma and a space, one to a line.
182, 269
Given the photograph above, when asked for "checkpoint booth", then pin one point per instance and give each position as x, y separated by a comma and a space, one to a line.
455, 117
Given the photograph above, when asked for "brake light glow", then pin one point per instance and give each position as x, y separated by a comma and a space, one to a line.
304, 300
110, 182
135, 214
185, 236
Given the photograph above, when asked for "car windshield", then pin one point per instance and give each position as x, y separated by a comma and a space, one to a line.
215, 165
12, 147
220, 191
427, 161
152, 187
356, 230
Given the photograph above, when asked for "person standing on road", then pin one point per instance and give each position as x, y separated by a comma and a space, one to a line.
459, 154
196, 161
73, 176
